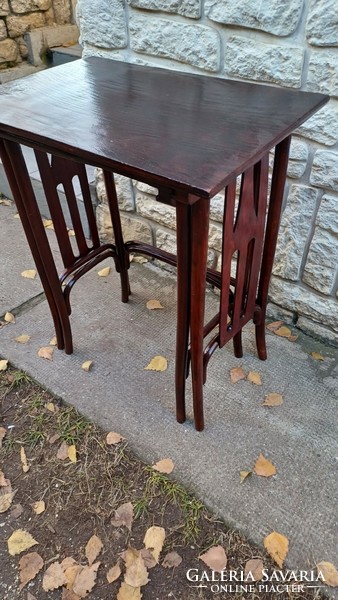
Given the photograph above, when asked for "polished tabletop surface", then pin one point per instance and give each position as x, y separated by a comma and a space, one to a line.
189, 132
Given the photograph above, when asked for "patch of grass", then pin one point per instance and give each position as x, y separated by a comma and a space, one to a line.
72, 426
19, 378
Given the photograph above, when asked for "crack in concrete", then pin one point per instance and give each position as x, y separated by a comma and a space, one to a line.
26, 306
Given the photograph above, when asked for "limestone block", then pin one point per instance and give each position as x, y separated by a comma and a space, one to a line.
318, 331
9, 51
322, 24
264, 62
324, 171
196, 45
186, 8
323, 72
49, 16
215, 237
327, 216
102, 23
26, 6
3, 30
298, 157
62, 11
132, 227
323, 126
18, 25
23, 49
217, 208
295, 227
279, 18
124, 191
167, 241
4, 8
309, 304
145, 187
148, 207
321, 265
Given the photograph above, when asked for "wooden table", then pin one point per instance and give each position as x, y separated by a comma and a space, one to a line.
190, 136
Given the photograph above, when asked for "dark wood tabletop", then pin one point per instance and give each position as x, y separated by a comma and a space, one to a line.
189, 132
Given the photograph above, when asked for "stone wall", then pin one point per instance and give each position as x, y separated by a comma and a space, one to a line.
17, 17
292, 44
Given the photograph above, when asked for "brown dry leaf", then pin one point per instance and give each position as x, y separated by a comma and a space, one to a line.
244, 474
93, 549
46, 352
29, 274
87, 365
2, 430
3, 365
104, 272
29, 567
154, 539
22, 339
165, 465
275, 325
6, 496
30, 596
124, 515
264, 467
277, 545
16, 511
9, 317
154, 305
283, 332
72, 453
114, 438
113, 573
254, 377
293, 338
85, 580
53, 341
23, 457
215, 558
329, 573
158, 363
54, 577
62, 452
71, 569
39, 507
236, 374
20, 541
127, 592
171, 560
69, 595
53, 438
130, 555
50, 406
136, 573
148, 558
317, 356
253, 569
273, 399
3, 481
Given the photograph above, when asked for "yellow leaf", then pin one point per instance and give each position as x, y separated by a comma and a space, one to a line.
273, 399
3, 365
20, 541
215, 558
39, 507
154, 305
317, 356
154, 539
127, 592
47, 222
54, 577
87, 365
3, 481
114, 438
171, 560
264, 467
123, 515
2, 429
113, 573
53, 341
29, 274
29, 567
6, 496
85, 580
72, 453
104, 272
277, 545
283, 332
275, 325
93, 549
71, 232
254, 377
244, 474
328, 573
71, 569
16, 216
25, 465
50, 226
9, 317
164, 466
22, 339
46, 352
136, 573
236, 374
158, 363
254, 569
50, 406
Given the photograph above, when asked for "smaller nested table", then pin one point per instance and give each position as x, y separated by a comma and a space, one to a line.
189, 136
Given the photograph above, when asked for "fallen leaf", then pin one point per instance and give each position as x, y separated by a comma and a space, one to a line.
16, 511
273, 399
71, 232
264, 467
104, 272
293, 338
154, 305
71, 569
20, 541
317, 356
139, 259
72, 453
5, 202
136, 573
22, 339
85, 580
215, 558
158, 363
283, 332
253, 570
62, 452
50, 226
29, 274
69, 595
2, 429
9, 317
50, 406
53, 438
329, 573
39, 507
23, 457
113, 573
53, 341
127, 592
47, 222
93, 549
165, 465
154, 539
54, 577
244, 474
3, 481
29, 567
114, 438
6, 496
123, 516
236, 374
30, 596
277, 545
87, 365
3, 365
254, 377
16, 216
46, 352
171, 560
148, 558
275, 325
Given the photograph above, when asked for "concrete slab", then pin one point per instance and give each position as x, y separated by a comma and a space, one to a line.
299, 437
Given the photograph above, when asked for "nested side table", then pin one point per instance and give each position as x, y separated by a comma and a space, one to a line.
190, 137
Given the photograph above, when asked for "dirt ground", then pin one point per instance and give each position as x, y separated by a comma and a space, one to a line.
81, 499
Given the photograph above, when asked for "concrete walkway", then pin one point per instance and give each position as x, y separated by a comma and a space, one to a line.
299, 437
